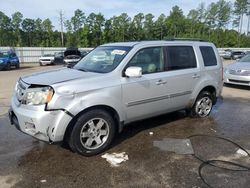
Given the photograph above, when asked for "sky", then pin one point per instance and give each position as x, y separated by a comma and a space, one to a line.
50, 8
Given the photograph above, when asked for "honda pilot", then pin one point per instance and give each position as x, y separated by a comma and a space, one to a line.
89, 104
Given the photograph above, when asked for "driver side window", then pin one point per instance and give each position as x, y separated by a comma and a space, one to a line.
151, 60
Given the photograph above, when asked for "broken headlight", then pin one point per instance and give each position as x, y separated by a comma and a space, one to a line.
38, 96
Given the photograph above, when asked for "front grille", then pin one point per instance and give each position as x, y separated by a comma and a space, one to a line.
239, 72
239, 81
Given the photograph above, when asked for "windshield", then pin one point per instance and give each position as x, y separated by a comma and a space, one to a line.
103, 59
245, 59
4, 54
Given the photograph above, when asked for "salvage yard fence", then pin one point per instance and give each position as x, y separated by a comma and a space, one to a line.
32, 54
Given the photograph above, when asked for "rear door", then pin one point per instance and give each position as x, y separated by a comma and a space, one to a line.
182, 75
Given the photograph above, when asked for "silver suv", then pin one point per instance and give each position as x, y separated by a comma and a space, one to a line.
113, 85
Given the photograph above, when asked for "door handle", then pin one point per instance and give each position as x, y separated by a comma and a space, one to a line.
196, 76
160, 82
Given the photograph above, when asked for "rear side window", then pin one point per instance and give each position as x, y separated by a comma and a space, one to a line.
208, 55
180, 57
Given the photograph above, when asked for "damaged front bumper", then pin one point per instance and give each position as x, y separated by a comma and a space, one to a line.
48, 126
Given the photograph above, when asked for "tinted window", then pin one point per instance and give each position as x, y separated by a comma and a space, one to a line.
180, 57
208, 55
149, 59
4, 54
13, 55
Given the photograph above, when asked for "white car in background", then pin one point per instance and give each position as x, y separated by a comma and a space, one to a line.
47, 59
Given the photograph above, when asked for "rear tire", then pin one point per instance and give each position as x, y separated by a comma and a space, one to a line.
92, 133
202, 106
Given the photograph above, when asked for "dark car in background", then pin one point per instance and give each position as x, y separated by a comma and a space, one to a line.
237, 55
8, 59
59, 58
72, 56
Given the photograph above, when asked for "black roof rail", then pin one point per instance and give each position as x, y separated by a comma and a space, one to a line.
185, 39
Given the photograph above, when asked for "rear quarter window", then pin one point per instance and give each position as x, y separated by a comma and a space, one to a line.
208, 56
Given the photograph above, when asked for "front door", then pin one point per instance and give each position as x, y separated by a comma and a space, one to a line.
145, 96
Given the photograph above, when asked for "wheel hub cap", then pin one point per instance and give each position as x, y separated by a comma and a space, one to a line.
94, 133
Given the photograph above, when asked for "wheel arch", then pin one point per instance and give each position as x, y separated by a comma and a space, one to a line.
109, 109
210, 88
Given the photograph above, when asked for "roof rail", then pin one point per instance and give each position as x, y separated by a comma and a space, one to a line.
185, 39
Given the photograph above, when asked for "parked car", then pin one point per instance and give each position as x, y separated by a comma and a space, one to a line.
238, 72
8, 59
226, 54
87, 105
59, 58
237, 55
47, 59
72, 56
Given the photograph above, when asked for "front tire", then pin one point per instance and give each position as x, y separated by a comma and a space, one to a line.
8, 66
202, 106
92, 133
18, 65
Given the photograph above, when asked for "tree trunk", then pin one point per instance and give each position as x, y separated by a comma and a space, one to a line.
248, 24
241, 23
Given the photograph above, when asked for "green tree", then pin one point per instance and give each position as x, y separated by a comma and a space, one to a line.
28, 26
39, 35
16, 23
73, 27
149, 26
107, 32
95, 23
240, 8
175, 22
120, 27
193, 18
160, 29
224, 13
136, 27
47, 27
6, 31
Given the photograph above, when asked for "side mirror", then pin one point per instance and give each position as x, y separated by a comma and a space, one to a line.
133, 72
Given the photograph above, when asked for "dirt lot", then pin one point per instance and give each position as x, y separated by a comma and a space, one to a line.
26, 162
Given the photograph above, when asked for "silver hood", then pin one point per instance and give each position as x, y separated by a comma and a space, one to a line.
239, 66
56, 76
